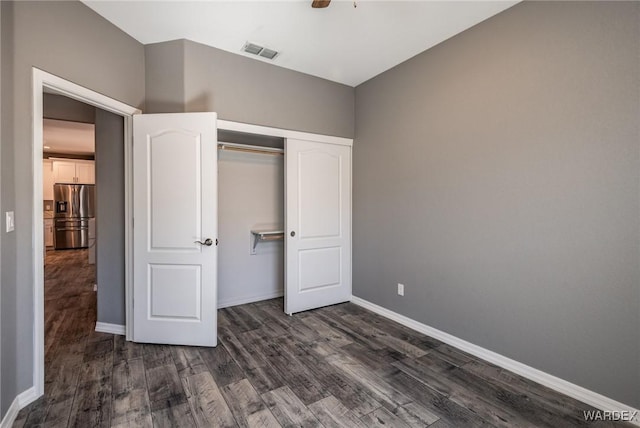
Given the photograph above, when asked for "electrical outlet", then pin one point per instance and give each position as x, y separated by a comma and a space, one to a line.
400, 289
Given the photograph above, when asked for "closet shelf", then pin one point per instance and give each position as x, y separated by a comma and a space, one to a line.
265, 235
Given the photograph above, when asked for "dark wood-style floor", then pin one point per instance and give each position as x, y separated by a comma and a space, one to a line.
339, 366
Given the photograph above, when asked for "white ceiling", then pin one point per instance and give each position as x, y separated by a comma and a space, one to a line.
68, 137
340, 43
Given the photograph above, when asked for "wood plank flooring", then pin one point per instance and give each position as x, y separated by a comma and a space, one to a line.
339, 366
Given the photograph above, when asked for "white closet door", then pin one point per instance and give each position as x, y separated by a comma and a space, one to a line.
175, 205
318, 225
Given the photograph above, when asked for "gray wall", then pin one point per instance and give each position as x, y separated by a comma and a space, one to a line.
110, 247
1, 140
69, 40
497, 176
64, 108
164, 78
244, 90
8, 292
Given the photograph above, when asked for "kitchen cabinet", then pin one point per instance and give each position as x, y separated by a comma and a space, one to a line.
48, 232
64, 171
74, 171
47, 179
86, 172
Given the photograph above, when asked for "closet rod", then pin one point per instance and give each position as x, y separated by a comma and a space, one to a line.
250, 149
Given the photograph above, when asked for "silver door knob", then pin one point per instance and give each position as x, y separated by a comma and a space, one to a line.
208, 242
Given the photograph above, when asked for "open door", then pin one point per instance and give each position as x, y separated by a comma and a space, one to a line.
175, 229
317, 225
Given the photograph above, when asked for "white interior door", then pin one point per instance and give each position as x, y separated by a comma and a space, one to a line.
175, 205
318, 225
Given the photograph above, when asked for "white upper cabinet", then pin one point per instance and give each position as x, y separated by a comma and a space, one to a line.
64, 171
74, 171
86, 172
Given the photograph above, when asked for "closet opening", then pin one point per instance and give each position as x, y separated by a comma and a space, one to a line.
250, 218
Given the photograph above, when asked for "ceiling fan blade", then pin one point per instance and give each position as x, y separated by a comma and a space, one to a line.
320, 4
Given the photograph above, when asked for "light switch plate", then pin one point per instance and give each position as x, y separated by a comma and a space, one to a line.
10, 221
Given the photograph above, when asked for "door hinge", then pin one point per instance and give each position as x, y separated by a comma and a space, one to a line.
216, 242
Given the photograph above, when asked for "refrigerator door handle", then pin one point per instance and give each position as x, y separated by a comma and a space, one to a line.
76, 201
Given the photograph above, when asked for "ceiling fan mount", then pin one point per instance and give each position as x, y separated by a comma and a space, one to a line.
320, 4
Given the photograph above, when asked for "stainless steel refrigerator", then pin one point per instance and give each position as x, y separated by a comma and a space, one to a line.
74, 206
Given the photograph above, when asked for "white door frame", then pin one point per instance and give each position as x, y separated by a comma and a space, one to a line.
41, 81
246, 128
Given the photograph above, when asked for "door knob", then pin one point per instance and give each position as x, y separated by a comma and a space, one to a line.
208, 242
293, 233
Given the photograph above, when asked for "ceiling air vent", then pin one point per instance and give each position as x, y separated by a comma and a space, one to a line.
254, 49
268, 53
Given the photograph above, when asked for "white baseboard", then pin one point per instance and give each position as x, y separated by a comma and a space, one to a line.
27, 397
592, 398
21, 401
105, 327
251, 299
